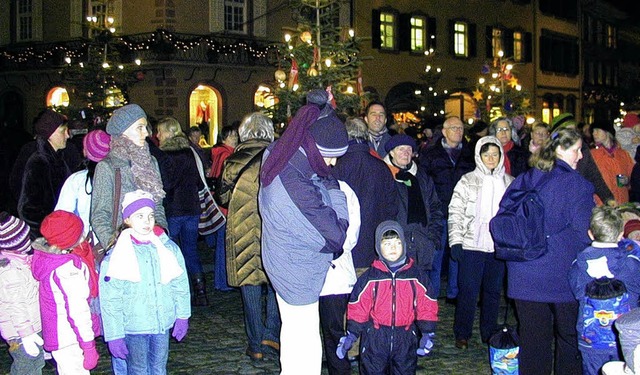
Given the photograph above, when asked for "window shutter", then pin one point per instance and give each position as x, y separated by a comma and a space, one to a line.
403, 37
452, 37
431, 33
488, 41
473, 42
375, 29
527, 47
507, 42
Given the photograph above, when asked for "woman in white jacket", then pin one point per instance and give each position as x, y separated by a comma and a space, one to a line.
475, 201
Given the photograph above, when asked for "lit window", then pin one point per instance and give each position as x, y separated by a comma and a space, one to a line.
235, 12
460, 47
611, 36
496, 41
387, 33
25, 20
418, 32
58, 97
546, 113
114, 97
517, 46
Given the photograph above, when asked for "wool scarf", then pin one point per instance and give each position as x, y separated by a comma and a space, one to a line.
145, 175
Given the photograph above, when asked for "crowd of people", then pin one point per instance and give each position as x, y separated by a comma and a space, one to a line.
338, 234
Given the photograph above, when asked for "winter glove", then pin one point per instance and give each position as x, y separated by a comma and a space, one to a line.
32, 343
180, 328
456, 252
346, 342
118, 348
90, 355
426, 344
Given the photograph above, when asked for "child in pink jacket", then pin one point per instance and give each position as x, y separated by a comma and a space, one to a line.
20, 324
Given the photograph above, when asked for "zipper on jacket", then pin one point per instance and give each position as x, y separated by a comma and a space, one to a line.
393, 308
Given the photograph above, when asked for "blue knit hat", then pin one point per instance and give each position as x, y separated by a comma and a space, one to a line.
122, 118
327, 131
400, 140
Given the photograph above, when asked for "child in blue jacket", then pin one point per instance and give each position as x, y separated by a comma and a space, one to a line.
603, 266
144, 290
390, 305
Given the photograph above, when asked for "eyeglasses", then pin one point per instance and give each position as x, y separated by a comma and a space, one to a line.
507, 129
455, 128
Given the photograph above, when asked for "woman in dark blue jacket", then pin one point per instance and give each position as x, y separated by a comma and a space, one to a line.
546, 308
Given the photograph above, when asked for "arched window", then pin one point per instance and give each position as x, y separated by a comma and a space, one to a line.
204, 104
57, 97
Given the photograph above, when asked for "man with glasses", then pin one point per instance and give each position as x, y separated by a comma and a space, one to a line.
445, 162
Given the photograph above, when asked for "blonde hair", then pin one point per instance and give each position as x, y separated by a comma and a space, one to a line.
172, 126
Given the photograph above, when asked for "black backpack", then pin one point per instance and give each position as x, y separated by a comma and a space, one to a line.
518, 227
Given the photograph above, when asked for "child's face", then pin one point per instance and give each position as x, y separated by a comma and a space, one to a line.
142, 221
635, 235
391, 249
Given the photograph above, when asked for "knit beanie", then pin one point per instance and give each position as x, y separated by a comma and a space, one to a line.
561, 121
400, 140
396, 227
14, 234
328, 131
630, 120
62, 229
135, 200
604, 125
631, 226
124, 117
47, 123
96, 145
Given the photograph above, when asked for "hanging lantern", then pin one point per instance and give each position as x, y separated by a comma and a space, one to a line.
306, 37
280, 75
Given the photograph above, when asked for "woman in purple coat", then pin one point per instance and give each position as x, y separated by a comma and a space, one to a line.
547, 311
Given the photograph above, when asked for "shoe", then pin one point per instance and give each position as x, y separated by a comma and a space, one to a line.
272, 344
462, 344
199, 297
254, 356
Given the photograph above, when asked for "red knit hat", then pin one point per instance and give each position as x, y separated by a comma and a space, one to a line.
631, 226
630, 120
62, 229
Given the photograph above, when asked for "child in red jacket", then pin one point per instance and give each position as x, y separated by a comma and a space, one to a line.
389, 303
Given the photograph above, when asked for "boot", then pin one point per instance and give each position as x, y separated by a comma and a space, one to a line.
199, 292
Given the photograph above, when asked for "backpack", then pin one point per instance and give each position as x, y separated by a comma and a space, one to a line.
518, 227
605, 300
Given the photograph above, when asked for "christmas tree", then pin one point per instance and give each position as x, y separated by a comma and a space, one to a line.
317, 53
498, 92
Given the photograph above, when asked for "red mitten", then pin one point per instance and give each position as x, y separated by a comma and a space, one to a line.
90, 355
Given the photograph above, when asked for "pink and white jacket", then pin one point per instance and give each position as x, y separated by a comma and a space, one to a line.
64, 296
19, 313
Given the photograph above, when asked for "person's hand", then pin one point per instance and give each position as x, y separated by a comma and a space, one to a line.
118, 348
346, 342
180, 328
32, 344
426, 344
456, 252
90, 355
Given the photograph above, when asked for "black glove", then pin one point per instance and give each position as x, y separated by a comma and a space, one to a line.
456, 252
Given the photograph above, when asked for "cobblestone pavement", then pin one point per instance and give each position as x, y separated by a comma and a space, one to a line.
216, 344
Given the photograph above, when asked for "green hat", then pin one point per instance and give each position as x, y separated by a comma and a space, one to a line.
562, 121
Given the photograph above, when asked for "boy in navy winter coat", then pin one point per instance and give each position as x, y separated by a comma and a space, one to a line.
389, 303
596, 278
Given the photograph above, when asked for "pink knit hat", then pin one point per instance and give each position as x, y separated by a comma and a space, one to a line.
96, 145
630, 120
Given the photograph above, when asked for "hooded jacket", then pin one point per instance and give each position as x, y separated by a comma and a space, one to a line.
392, 299
465, 227
64, 296
19, 312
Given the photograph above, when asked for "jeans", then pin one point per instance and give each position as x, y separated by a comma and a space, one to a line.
541, 324
300, 343
23, 363
332, 320
478, 271
217, 240
436, 267
119, 366
148, 354
253, 304
184, 232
